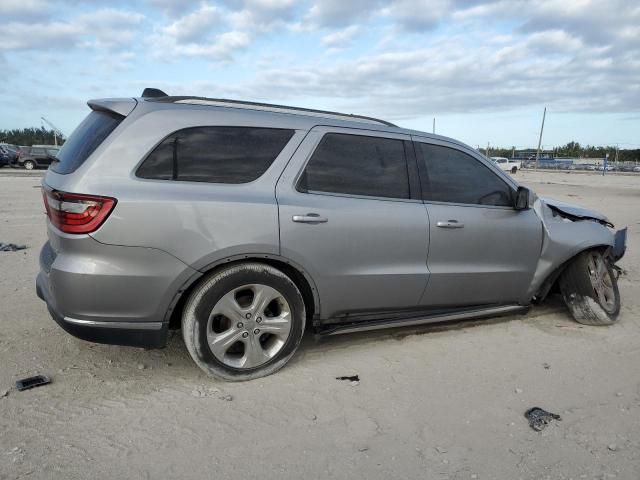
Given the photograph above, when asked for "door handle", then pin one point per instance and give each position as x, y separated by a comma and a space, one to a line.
449, 224
310, 218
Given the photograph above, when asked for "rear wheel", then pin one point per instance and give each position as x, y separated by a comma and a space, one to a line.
244, 322
29, 165
590, 289
514, 169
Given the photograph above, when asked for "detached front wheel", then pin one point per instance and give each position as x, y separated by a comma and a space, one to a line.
244, 322
590, 289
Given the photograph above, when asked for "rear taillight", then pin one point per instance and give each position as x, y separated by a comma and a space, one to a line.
76, 213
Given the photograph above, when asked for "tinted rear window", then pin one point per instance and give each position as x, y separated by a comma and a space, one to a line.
215, 154
84, 140
357, 165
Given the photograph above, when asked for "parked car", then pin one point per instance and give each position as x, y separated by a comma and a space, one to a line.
5, 156
242, 222
37, 156
636, 169
507, 165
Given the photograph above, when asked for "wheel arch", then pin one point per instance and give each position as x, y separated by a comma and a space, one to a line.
552, 279
294, 271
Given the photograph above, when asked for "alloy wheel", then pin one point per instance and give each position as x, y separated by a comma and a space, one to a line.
248, 326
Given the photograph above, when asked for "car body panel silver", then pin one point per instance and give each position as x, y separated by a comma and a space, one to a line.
107, 283
563, 239
372, 253
575, 210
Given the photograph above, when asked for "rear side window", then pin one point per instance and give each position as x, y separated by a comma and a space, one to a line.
215, 154
88, 136
449, 175
357, 165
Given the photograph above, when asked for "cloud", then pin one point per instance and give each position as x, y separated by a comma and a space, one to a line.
340, 38
417, 15
106, 28
220, 48
196, 26
340, 13
20, 10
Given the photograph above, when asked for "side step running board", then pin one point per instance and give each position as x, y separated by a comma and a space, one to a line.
364, 325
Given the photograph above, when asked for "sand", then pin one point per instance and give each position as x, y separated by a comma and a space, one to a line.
432, 402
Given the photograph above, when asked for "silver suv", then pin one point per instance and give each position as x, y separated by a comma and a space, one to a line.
243, 223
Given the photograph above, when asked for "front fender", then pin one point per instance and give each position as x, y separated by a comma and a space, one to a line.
564, 238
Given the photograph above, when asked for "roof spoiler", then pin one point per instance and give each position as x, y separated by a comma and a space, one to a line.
121, 106
153, 93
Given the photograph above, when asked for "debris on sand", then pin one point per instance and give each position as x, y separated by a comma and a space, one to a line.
539, 418
11, 247
350, 378
32, 382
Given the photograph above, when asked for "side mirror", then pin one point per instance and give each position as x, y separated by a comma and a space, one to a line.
521, 200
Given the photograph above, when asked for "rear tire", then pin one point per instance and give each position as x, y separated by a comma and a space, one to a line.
590, 289
514, 170
244, 322
29, 165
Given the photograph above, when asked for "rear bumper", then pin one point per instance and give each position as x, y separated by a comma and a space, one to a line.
107, 293
132, 334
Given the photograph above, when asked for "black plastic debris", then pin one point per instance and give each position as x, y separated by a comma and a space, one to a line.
352, 378
32, 382
539, 418
11, 247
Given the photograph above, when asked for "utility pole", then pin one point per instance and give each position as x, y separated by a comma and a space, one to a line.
434, 125
544, 114
56, 131
513, 153
487, 151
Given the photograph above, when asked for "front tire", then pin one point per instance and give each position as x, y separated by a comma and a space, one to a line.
590, 289
29, 165
244, 322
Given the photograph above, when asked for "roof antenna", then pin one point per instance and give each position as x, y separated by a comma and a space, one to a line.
153, 93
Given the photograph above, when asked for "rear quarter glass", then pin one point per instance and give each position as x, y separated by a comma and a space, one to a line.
88, 136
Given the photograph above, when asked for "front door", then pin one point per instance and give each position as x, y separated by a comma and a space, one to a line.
351, 217
482, 251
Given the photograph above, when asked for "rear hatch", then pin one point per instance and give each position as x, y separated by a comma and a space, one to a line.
69, 208
105, 116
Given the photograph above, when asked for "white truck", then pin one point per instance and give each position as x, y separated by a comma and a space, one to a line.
507, 165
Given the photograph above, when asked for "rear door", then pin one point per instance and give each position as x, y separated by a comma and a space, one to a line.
482, 251
351, 216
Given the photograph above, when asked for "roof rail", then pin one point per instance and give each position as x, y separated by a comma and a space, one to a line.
265, 106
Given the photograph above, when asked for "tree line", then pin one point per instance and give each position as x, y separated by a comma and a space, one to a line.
574, 150
29, 136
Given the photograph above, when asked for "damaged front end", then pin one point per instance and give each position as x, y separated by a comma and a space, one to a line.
569, 230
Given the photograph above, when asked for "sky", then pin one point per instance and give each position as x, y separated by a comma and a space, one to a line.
483, 69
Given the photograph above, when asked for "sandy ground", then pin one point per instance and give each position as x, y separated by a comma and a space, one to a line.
435, 402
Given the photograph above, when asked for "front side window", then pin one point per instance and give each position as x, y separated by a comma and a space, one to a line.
450, 175
357, 165
215, 154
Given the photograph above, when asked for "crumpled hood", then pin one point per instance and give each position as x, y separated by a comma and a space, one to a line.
575, 210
